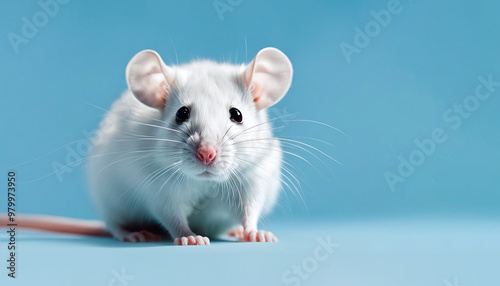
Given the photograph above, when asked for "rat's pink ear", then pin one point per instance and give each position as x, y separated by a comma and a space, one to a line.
268, 77
149, 78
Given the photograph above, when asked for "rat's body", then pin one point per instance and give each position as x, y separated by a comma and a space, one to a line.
189, 150
193, 175
137, 190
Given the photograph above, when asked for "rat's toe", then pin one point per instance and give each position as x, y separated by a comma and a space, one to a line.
236, 232
192, 240
140, 236
259, 236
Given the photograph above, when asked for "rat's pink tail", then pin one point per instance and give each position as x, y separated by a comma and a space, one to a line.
57, 224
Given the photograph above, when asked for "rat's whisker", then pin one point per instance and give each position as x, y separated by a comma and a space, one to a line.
139, 184
321, 123
53, 151
153, 179
149, 138
236, 172
286, 152
252, 127
222, 139
294, 189
264, 151
133, 121
315, 139
291, 142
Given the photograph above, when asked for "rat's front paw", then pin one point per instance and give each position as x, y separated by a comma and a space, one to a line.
258, 236
236, 232
140, 236
192, 240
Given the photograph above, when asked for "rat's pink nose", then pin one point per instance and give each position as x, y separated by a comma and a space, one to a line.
207, 154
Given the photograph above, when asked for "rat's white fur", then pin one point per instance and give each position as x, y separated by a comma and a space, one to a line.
143, 169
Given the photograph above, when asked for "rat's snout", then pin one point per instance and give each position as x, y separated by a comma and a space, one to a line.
207, 153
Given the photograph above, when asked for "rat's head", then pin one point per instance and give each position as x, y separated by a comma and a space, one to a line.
214, 122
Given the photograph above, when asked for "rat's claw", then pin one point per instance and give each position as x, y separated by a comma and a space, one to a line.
270, 237
252, 236
260, 236
192, 240
206, 240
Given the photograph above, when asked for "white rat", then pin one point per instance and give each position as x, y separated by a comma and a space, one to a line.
189, 149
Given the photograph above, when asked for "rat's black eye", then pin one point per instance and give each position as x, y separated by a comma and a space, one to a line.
182, 115
236, 115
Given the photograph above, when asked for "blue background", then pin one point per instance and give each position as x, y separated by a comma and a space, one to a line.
394, 91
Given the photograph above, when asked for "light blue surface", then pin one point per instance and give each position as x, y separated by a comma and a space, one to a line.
397, 89
397, 252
